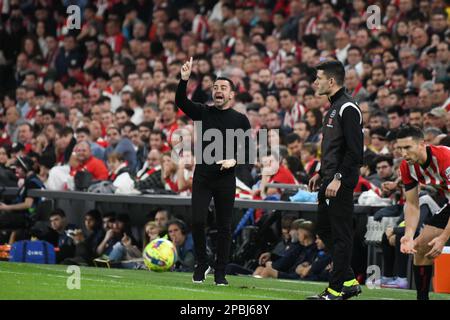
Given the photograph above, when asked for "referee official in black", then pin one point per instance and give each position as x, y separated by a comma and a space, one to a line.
342, 155
216, 180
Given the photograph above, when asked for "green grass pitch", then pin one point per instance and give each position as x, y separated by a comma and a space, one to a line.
32, 281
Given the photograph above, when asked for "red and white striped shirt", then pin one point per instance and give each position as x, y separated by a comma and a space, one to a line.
434, 172
294, 115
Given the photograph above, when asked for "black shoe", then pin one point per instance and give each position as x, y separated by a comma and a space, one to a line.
351, 291
200, 273
219, 279
326, 295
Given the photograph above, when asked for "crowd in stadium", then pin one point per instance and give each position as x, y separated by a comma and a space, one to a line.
98, 103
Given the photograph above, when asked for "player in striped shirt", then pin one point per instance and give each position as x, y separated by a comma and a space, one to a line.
427, 165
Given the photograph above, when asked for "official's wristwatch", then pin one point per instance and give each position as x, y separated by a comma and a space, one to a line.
338, 176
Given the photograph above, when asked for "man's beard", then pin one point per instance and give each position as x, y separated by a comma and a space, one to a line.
222, 104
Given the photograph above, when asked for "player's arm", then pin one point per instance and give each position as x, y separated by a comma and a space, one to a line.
412, 211
191, 109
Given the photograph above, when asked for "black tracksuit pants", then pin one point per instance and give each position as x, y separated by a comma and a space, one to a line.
335, 228
221, 186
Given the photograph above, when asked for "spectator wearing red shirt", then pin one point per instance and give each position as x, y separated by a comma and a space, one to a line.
83, 160
157, 141
274, 172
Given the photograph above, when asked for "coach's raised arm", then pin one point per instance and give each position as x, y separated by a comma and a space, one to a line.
191, 109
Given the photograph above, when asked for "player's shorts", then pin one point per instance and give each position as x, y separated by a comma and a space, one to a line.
440, 219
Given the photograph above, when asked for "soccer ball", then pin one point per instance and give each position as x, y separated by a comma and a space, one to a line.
160, 255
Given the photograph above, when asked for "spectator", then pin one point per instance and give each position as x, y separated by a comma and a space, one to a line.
120, 174
122, 145
294, 145
396, 116
416, 117
162, 218
273, 172
314, 119
86, 243
309, 159
151, 232
354, 85
12, 124
84, 161
293, 111
285, 267
385, 171
18, 214
378, 140
169, 173
62, 232
84, 134
7, 175
184, 243
319, 269
64, 144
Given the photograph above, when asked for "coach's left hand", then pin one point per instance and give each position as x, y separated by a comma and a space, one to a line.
437, 245
226, 164
333, 188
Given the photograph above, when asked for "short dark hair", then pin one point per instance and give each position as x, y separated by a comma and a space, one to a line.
58, 212
292, 137
424, 72
180, 224
400, 72
333, 69
383, 158
83, 130
128, 111
49, 112
410, 131
159, 133
396, 109
233, 87
415, 110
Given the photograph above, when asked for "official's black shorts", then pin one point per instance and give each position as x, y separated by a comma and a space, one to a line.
440, 219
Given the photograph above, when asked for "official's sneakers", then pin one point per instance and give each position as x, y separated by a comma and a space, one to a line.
327, 294
351, 289
397, 283
219, 279
200, 273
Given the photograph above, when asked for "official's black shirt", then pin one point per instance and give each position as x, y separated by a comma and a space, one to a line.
343, 142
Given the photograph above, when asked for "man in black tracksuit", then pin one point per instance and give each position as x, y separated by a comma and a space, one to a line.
217, 179
342, 155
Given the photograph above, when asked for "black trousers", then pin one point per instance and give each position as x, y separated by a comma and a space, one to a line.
335, 228
221, 187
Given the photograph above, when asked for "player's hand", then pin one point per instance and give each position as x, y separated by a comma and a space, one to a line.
186, 70
313, 183
407, 245
333, 188
437, 245
226, 164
